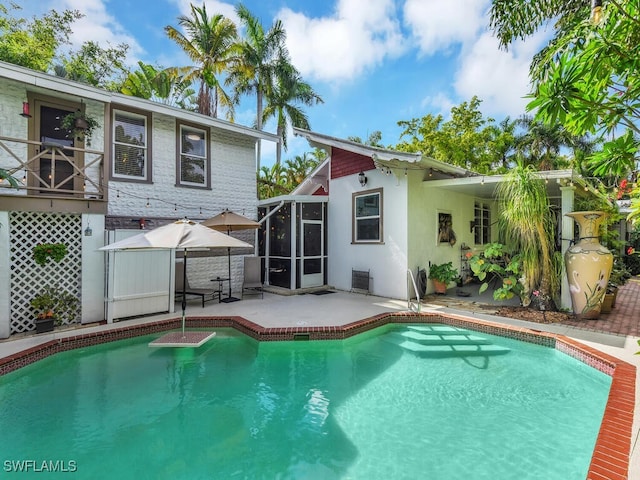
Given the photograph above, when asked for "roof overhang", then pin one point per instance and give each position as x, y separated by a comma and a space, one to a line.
484, 186
382, 157
319, 177
293, 198
45, 83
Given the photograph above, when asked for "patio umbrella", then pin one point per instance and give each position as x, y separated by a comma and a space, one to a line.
181, 235
229, 221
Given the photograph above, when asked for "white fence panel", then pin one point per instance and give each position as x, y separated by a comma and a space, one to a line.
140, 282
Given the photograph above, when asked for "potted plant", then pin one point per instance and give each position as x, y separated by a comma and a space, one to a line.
80, 125
45, 251
442, 275
54, 306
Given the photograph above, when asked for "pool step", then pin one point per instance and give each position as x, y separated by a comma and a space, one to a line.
463, 338
437, 341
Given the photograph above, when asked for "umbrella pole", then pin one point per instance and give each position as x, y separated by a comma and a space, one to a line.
184, 290
229, 257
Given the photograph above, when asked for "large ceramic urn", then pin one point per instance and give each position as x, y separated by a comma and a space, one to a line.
588, 265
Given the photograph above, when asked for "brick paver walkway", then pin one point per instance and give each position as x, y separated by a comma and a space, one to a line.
624, 318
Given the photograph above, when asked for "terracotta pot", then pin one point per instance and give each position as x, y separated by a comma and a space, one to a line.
588, 265
440, 287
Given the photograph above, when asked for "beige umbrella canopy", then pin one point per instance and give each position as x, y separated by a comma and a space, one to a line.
228, 221
181, 235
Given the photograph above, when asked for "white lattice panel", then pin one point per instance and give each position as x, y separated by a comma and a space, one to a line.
28, 229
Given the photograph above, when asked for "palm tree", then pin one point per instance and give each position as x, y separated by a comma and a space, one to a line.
160, 86
541, 143
211, 43
527, 225
272, 181
287, 91
259, 55
299, 167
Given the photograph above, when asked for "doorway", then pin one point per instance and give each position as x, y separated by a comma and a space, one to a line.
53, 171
312, 259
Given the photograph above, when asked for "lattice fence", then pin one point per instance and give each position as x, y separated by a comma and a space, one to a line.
28, 229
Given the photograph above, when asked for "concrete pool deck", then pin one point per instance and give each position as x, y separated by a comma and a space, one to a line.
342, 308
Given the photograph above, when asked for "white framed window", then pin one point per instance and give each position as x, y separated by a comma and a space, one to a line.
130, 146
193, 157
367, 217
482, 223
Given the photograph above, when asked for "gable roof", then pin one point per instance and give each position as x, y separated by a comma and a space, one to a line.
43, 83
383, 157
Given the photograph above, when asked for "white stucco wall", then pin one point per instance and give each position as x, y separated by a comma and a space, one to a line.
425, 202
93, 266
387, 262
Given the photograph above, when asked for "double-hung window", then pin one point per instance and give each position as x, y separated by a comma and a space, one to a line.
367, 217
194, 161
482, 222
130, 146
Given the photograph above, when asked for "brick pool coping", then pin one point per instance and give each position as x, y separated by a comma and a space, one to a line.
610, 459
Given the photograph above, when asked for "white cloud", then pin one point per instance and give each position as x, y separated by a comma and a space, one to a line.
499, 78
441, 102
359, 35
438, 25
99, 26
213, 7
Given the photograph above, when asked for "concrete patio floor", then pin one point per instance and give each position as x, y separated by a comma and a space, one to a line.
341, 308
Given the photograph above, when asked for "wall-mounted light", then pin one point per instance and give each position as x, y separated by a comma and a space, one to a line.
362, 178
25, 110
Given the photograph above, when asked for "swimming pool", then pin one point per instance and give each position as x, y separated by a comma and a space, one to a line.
418, 401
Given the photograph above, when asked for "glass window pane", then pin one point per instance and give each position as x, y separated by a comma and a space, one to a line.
368, 229
368, 205
129, 160
192, 170
193, 142
130, 129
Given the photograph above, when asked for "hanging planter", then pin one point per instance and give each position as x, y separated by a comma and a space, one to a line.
80, 125
43, 252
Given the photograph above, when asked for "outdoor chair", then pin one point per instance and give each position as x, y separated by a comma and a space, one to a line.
252, 276
207, 294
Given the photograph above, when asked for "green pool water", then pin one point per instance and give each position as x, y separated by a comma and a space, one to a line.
401, 402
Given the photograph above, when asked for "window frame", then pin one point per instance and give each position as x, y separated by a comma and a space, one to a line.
179, 155
482, 228
147, 169
380, 216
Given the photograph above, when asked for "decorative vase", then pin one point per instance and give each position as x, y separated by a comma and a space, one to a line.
588, 265
440, 287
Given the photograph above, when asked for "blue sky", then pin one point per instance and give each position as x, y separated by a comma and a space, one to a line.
374, 62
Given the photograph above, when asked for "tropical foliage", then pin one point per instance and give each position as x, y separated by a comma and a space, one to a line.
587, 77
34, 43
527, 227
211, 44
494, 263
